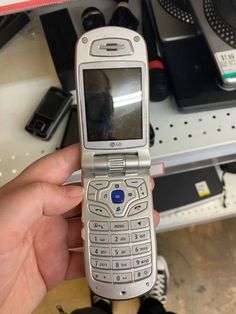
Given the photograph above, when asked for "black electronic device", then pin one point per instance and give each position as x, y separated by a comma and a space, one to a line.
61, 38
71, 134
10, 25
49, 113
188, 188
174, 19
122, 16
217, 22
92, 18
230, 167
158, 85
193, 76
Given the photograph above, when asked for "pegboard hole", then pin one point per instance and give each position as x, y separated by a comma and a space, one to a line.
185, 122
200, 119
227, 114
204, 132
157, 128
218, 130
175, 139
190, 135
160, 142
233, 127
42, 151
214, 117
171, 125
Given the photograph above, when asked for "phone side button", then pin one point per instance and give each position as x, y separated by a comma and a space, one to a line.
83, 234
104, 277
98, 210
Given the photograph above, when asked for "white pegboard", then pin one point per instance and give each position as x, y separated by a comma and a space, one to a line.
183, 139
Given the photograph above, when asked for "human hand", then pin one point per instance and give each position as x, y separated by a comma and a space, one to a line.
34, 236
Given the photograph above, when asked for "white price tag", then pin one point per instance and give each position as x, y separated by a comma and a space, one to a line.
202, 189
226, 61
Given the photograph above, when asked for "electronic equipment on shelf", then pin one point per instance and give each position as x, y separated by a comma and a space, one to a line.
217, 21
174, 19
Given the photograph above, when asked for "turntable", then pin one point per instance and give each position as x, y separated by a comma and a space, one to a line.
217, 21
194, 35
174, 19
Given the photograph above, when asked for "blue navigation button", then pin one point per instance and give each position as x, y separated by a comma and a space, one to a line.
117, 196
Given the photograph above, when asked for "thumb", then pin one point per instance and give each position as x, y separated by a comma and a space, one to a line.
22, 208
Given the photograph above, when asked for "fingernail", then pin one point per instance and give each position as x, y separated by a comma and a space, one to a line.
73, 190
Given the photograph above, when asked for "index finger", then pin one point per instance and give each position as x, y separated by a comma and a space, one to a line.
54, 168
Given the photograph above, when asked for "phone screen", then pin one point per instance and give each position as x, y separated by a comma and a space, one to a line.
52, 104
113, 102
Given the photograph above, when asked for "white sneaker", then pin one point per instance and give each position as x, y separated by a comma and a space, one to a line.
159, 290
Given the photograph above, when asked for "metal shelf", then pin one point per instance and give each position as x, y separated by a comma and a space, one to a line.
182, 141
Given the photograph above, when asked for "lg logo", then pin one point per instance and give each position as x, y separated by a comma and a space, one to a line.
115, 144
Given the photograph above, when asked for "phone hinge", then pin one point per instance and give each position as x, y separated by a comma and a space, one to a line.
114, 165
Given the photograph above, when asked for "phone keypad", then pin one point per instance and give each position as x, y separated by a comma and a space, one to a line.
120, 249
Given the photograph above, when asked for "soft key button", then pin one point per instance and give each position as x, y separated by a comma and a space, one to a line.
98, 210
119, 226
99, 184
134, 182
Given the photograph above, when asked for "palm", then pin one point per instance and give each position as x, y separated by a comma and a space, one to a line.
36, 263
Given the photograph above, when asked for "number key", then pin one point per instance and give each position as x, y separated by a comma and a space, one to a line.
120, 238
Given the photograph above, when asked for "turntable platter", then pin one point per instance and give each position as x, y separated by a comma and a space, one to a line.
221, 16
179, 9
227, 10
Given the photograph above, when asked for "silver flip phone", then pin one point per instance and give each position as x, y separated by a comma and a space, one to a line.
117, 210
